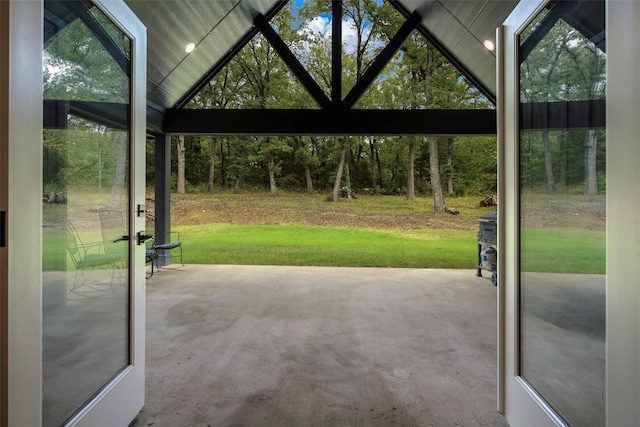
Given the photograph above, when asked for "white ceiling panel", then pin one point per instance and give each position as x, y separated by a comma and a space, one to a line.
217, 26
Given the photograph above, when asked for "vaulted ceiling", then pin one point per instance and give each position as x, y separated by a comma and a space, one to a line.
219, 28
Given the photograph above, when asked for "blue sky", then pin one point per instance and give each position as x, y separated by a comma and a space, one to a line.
321, 24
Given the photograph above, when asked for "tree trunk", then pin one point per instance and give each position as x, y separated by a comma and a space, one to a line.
212, 162
180, 188
551, 186
307, 175
592, 148
434, 166
411, 191
343, 155
379, 164
239, 181
450, 167
272, 174
347, 175
395, 175
356, 160
223, 165
374, 169
561, 176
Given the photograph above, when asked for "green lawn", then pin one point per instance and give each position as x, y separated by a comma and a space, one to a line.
563, 250
327, 246
279, 238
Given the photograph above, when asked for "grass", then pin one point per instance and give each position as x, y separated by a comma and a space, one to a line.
373, 231
563, 250
327, 246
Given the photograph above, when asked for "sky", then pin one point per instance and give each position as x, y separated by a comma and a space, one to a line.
322, 25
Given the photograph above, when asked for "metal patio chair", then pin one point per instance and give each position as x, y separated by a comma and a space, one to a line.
87, 258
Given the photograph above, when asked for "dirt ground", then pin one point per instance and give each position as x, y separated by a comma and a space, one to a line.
259, 209
576, 211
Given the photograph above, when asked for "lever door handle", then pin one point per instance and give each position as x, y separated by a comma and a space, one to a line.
142, 238
121, 239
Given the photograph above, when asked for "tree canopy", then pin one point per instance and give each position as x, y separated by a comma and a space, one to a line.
418, 77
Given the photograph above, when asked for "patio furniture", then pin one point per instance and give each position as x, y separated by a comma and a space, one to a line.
86, 258
151, 256
170, 244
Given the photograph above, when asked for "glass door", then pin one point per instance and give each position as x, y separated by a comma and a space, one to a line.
90, 289
553, 167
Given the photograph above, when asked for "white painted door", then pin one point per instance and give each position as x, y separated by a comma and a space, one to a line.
75, 330
556, 213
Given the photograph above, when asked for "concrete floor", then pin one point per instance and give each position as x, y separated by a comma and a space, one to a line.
315, 346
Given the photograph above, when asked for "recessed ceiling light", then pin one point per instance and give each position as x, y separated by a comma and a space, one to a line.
189, 48
489, 45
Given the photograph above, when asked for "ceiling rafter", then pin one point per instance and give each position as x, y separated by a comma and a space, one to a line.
361, 86
237, 47
72, 10
465, 71
336, 53
382, 60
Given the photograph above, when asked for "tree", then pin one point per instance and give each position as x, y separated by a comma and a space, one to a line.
449, 166
565, 66
592, 151
180, 185
434, 173
221, 92
212, 162
257, 78
338, 180
411, 192
268, 84
78, 67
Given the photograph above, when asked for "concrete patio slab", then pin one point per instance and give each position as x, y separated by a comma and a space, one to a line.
316, 346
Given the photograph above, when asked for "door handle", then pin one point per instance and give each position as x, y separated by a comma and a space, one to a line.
121, 239
142, 238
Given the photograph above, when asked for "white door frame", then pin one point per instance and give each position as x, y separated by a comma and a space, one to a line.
516, 400
122, 399
623, 214
4, 188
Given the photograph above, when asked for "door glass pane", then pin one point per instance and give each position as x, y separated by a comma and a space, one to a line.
85, 206
562, 209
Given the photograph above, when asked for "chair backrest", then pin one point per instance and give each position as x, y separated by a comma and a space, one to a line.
112, 227
74, 244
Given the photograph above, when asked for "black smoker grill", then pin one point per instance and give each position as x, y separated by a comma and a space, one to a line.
487, 245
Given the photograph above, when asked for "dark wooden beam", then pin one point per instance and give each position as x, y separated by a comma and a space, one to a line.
563, 115
466, 72
155, 118
331, 122
336, 53
382, 60
292, 62
109, 114
119, 56
206, 78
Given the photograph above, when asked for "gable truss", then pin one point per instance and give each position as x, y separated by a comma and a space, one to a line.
336, 115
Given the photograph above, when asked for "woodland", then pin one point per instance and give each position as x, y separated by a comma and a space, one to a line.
418, 77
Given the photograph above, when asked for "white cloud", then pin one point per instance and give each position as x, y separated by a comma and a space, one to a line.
321, 26
350, 36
